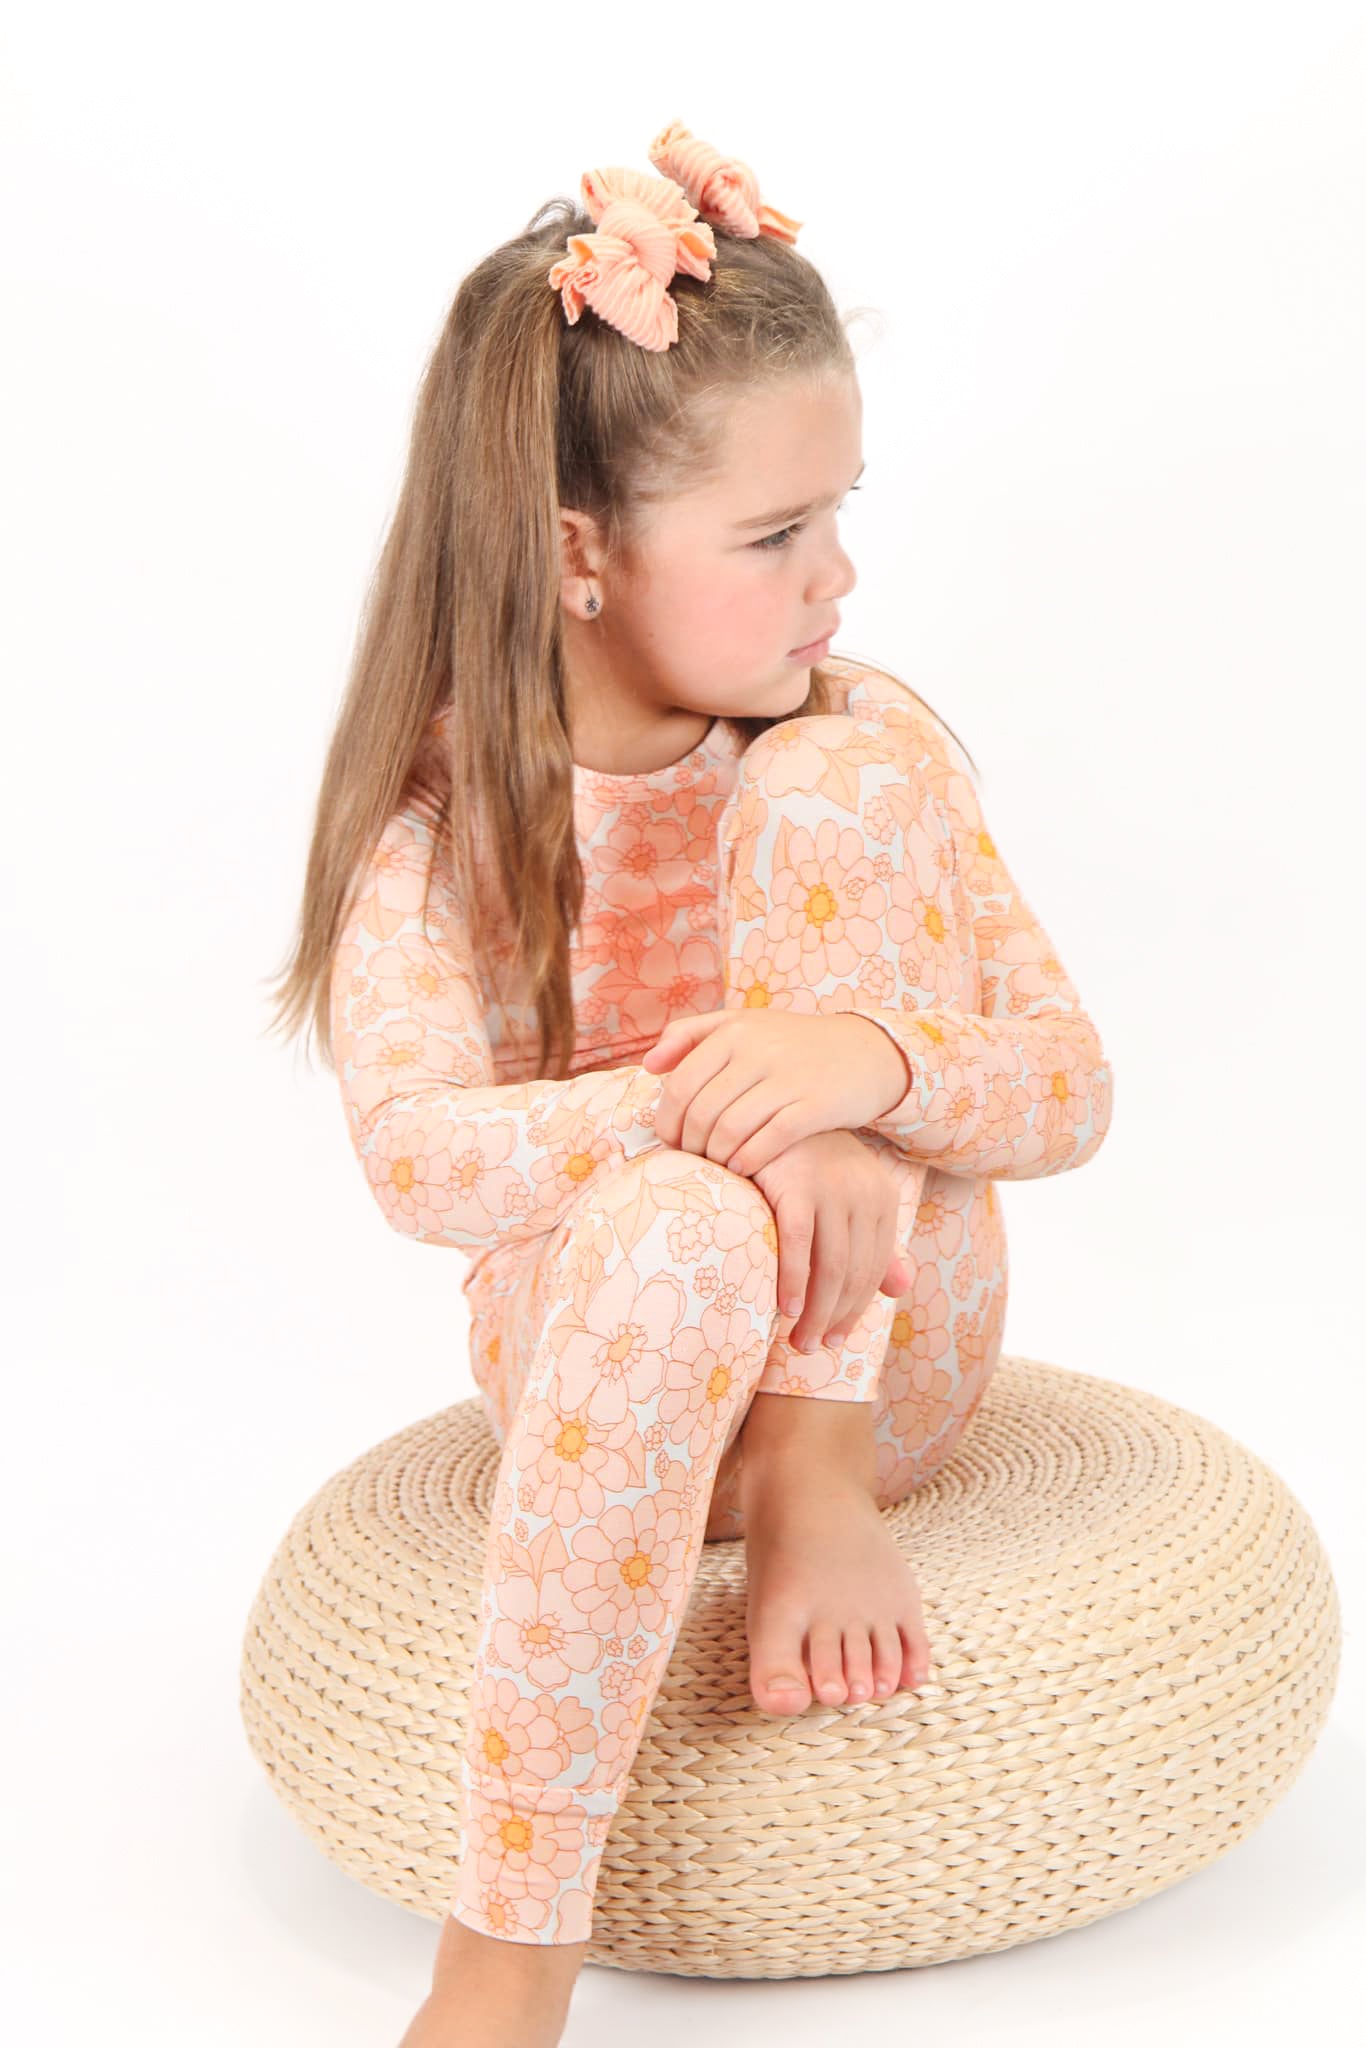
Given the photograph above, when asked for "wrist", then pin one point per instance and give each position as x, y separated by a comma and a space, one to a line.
894, 1062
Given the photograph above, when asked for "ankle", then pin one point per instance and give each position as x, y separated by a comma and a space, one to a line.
802, 1442
464, 1956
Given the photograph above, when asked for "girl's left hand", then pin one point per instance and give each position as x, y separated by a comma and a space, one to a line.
746, 1084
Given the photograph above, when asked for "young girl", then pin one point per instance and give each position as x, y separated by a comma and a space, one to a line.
668, 969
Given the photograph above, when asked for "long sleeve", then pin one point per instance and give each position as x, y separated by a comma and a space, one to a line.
1021, 1088
451, 1156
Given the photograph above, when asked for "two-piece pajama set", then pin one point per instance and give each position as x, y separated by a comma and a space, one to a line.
623, 1293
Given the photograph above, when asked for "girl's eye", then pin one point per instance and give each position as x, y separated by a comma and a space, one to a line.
776, 543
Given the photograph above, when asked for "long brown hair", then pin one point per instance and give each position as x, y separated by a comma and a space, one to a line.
519, 413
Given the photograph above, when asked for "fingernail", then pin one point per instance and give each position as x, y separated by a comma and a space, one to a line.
792, 1307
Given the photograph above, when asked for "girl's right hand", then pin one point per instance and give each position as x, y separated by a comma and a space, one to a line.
835, 1205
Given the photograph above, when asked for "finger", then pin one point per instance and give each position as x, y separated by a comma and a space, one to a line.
794, 1217
859, 1279
690, 1121
678, 1037
783, 1122
710, 1115
738, 1130
884, 1246
830, 1241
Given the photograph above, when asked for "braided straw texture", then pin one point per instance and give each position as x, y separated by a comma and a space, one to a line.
1134, 1633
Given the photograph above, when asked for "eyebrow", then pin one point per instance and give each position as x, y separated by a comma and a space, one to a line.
788, 512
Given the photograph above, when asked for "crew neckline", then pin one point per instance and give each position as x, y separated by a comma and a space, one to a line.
710, 747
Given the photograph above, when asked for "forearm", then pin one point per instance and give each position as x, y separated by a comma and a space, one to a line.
1001, 1098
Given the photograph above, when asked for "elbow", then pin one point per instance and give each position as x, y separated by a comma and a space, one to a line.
408, 1177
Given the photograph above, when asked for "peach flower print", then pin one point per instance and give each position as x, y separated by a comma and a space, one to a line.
797, 756
641, 862
424, 1190
395, 882
501, 1914
621, 1724
410, 975
819, 924
539, 1630
939, 1220
920, 1326
752, 974
516, 1738
749, 1261
930, 958
976, 1342
625, 1568
704, 1376
625, 1295
613, 1360
690, 1234
572, 1464
385, 1059
925, 1405
526, 1849
665, 980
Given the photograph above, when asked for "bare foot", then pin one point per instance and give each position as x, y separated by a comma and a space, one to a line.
833, 1607
488, 1993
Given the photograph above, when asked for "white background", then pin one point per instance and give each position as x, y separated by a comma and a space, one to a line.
1112, 526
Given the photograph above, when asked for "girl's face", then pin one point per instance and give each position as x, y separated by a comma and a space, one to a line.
729, 579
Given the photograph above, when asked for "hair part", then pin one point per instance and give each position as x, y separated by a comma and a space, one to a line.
518, 414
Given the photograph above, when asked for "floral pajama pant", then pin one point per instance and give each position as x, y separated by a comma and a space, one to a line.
638, 1332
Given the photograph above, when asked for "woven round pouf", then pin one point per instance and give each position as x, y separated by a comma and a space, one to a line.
1134, 1634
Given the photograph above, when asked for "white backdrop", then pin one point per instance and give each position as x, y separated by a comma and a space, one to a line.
1112, 526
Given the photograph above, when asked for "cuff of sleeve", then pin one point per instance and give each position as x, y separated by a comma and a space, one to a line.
907, 1105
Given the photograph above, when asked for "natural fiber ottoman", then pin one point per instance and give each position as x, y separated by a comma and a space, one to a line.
1135, 1637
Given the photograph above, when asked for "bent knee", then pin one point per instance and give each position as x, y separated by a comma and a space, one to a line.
729, 1205
885, 739
670, 1166
826, 728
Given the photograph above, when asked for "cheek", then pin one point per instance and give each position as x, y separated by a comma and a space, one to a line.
748, 606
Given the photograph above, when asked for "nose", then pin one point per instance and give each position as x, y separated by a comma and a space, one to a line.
845, 577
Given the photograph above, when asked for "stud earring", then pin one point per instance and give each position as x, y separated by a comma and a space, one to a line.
591, 605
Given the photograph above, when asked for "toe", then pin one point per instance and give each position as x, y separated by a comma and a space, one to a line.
827, 1664
915, 1659
858, 1664
887, 1656
776, 1675
781, 1694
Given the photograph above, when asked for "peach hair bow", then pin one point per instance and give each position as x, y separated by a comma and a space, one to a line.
649, 229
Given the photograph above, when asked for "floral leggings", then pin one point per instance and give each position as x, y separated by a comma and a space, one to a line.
635, 1338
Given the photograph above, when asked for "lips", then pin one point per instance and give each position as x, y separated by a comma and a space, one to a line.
829, 634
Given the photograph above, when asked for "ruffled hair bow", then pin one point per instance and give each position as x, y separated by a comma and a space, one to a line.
724, 191
649, 229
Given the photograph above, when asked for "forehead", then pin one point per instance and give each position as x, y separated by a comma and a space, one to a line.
794, 445
789, 421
